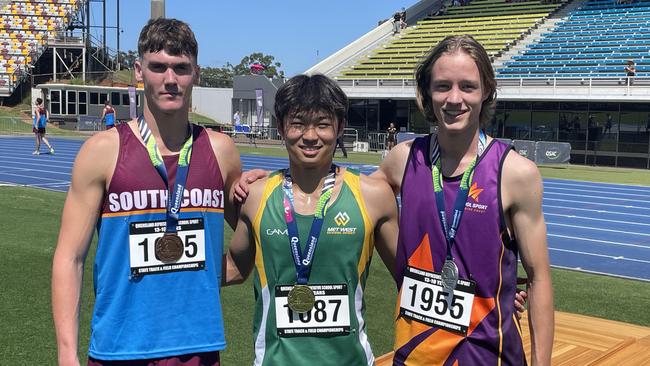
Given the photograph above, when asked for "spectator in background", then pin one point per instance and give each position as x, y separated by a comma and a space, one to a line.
397, 17
41, 117
608, 124
402, 19
390, 138
340, 143
108, 115
630, 69
236, 119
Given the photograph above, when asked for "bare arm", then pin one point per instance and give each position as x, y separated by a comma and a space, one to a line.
523, 201
230, 164
392, 168
78, 221
239, 260
382, 208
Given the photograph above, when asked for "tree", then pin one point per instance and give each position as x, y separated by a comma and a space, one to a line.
271, 68
217, 77
128, 58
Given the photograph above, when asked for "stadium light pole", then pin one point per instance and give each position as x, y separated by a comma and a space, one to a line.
157, 9
118, 36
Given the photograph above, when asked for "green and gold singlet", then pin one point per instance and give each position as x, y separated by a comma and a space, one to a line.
333, 332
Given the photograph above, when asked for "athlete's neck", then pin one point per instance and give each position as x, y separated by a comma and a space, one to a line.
169, 130
457, 150
308, 180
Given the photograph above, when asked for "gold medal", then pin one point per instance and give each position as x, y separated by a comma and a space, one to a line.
169, 248
301, 298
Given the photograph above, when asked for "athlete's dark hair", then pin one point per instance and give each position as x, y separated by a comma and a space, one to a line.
172, 35
39, 100
450, 45
305, 94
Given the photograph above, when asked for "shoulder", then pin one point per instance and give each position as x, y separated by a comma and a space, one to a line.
378, 197
98, 155
519, 169
255, 196
397, 156
373, 189
220, 142
521, 180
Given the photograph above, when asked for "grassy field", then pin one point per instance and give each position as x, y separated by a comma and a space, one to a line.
30, 229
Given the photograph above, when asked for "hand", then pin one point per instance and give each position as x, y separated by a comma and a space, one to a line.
241, 188
520, 297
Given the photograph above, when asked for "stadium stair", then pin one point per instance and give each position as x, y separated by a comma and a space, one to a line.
497, 24
25, 28
594, 40
536, 33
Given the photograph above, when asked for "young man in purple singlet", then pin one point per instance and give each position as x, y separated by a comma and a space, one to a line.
472, 242
158, 189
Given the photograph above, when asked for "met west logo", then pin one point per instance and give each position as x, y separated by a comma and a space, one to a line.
341, 219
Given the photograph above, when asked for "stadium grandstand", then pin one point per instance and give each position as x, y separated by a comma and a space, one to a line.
560, 65
43, 40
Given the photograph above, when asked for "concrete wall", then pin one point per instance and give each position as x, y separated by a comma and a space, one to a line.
213, 102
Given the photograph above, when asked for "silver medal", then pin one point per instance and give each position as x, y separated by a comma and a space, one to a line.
449, 275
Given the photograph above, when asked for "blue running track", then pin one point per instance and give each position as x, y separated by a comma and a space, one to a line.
593, 227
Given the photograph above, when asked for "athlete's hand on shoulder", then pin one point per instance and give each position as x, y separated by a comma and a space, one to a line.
242, 187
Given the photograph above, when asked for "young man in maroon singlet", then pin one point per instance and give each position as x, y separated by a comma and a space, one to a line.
158, 189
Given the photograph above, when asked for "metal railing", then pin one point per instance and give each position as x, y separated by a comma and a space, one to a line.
377, 141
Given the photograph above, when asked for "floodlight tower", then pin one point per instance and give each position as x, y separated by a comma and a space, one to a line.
157, 9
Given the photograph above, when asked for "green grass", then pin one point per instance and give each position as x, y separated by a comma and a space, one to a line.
16, 122
30, 227
201, 119
597, 174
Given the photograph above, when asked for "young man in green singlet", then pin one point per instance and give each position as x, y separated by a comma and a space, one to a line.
294, 258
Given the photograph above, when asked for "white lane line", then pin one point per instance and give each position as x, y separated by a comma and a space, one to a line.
596, 203
35, 178
616, 186
594, 210
599, 197
600, 255
579, 269
598, 229
60, 183
647, 193
597, 219
616, 243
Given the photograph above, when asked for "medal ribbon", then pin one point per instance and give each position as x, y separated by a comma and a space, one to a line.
303, 260
461, 197
175, 197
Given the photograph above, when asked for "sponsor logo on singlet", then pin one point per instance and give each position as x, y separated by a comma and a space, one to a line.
473, 204
157, 199
341, 220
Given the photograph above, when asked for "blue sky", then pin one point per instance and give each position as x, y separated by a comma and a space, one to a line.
298, 33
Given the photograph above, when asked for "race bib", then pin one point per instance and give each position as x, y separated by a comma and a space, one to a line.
142, 239
329, 316
423, 299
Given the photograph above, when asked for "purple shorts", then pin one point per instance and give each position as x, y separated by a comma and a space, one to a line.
192, 359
